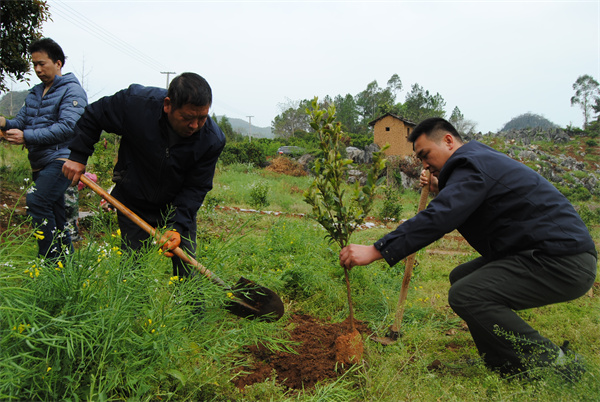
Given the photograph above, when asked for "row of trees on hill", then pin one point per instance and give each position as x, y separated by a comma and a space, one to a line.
355, 112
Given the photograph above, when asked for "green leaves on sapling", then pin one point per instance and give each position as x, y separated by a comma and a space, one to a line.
340, 214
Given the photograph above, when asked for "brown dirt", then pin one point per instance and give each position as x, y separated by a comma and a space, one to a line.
12, 206
316, 359
349, 348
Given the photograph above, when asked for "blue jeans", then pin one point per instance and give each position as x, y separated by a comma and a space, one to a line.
46, 206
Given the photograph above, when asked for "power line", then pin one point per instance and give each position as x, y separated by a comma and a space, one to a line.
65, 11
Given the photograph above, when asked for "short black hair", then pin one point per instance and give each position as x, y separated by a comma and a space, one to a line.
189, 88
432, 127
49, 46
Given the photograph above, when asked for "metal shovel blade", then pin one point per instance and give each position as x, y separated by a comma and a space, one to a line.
391, 337
253, 301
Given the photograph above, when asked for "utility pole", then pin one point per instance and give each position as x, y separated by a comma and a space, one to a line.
250, 128
168, 73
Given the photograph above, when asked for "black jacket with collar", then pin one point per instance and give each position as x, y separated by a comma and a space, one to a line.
153, 172
498, 204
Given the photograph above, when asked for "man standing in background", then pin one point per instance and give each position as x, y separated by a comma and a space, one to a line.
44, 125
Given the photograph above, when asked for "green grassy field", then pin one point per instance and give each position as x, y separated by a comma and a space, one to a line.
102, 326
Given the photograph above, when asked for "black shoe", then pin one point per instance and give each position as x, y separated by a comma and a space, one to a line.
570, 365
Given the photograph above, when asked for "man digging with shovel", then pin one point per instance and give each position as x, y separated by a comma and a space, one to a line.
167, 157
535, 249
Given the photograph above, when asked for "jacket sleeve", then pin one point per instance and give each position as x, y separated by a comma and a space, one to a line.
462, 195
106, 114
70, 108
19, 121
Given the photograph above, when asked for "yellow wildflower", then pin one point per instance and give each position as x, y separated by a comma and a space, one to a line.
48, 369
38, 234
230, 295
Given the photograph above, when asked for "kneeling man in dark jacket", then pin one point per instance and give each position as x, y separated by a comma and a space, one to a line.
535, 249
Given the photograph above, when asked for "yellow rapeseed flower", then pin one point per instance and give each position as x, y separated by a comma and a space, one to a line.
48, 369
60, 264
230, 295
38, 234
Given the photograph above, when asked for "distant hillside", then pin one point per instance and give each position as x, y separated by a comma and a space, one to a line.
241, 126
11, 102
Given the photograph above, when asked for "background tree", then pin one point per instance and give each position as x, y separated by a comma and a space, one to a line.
291, 119
230, 134
420, 104
375, 100
462, 125
346, 112
20, 24
586, 92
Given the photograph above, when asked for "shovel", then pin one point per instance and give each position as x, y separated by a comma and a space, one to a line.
248, 300
394, 330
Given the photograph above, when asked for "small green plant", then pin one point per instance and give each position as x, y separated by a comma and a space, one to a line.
391, 208
259, 194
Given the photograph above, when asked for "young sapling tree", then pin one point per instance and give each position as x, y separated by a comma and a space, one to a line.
338, 212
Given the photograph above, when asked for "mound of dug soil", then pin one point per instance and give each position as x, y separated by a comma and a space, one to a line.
315, 359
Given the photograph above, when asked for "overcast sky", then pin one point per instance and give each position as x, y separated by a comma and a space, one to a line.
495, 60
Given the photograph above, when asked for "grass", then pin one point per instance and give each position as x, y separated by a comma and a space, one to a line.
106, 327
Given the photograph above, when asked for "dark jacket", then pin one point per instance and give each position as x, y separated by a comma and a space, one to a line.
498, 204
47, 122
153, 172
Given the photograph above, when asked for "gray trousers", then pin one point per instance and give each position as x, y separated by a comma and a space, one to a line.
486, 295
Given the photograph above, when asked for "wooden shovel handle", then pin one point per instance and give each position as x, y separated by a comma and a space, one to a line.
150, 230
410, 262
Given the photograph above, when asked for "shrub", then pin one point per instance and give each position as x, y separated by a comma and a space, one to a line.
392, 208
259, 192
243, 152
589, 217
